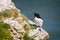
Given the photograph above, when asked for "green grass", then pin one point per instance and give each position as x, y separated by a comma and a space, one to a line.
26, 28
26, 37
5, 32
1, 16
5, 15
31, 27
24, 17
9, 13
5, 26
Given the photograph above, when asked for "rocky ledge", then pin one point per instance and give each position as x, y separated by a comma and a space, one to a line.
15, 26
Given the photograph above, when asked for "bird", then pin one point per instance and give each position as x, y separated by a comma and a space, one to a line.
38, 20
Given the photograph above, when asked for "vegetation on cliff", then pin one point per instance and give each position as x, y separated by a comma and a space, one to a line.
26, 37
9, 13
15, 26
23, 29
5, 33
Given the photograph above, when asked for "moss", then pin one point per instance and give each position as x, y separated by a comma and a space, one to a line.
31, 27
26, 28
5, 33
10, 13
6, 13
5, 25
16, 13
1, 17
26, 37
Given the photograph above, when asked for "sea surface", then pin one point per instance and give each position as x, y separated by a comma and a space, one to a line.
49, 11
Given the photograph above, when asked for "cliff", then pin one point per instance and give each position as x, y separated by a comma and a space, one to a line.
15, 26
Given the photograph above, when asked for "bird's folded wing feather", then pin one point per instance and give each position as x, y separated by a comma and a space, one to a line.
31, 22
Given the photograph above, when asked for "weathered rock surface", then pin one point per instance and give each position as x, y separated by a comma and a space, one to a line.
19, 24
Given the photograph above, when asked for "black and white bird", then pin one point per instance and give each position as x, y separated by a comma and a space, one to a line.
38, 20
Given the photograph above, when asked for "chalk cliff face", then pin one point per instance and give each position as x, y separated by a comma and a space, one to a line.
6, 4
19, 29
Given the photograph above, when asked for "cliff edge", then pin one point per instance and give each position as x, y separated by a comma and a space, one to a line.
15, 26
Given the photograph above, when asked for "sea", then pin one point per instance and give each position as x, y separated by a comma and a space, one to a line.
49, 10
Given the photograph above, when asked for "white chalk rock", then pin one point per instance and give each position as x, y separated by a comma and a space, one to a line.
13, 23
33, 32
16, 39
36, 38
21, 30
6, 4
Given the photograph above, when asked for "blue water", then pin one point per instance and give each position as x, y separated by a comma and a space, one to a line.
49, 11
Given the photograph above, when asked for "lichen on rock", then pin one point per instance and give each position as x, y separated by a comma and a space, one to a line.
16, 24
